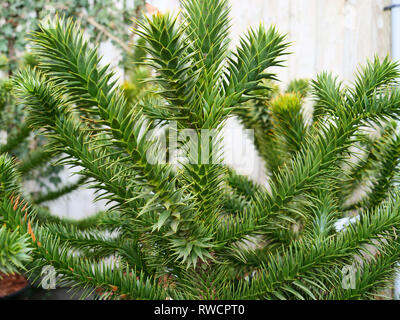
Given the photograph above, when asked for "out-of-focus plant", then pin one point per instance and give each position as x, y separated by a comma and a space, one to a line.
272, 115
103, 20
135, 86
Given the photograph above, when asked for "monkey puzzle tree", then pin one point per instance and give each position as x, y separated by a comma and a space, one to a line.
181, 230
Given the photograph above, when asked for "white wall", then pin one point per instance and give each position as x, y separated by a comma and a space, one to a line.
333, 35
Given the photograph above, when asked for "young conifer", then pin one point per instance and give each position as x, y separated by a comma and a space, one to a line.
182, 230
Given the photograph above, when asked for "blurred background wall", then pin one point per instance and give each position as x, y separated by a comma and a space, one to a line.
331, 35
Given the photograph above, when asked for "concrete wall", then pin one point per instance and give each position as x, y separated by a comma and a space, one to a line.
332, 35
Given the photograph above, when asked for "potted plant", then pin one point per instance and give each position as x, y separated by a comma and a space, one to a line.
181, 228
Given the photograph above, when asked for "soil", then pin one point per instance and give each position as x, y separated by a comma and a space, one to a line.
10, 284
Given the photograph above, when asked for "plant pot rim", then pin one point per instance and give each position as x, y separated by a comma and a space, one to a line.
18, 292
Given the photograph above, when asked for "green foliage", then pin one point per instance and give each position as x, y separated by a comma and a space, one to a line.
135, 87
258, 51
299, 86
14, 246
8, 178
278, 120
184, 229
21, 141
102, 19
14, 252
